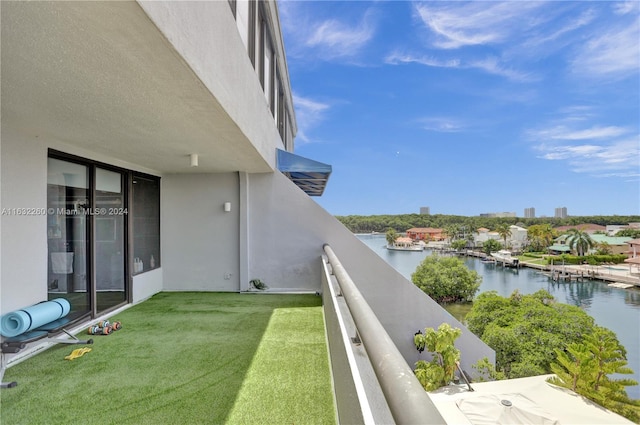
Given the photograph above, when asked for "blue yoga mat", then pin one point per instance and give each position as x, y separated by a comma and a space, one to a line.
23, 320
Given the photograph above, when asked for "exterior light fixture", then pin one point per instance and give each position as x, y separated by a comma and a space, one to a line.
194, 159
227, 206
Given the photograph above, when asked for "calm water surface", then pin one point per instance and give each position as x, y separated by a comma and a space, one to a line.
613, 308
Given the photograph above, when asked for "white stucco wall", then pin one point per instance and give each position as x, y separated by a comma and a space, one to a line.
200, 241
146, 284
24, 238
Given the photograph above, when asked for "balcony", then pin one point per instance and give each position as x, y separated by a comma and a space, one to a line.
186, 358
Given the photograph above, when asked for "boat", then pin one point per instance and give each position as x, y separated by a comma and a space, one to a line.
504, 256
405, 244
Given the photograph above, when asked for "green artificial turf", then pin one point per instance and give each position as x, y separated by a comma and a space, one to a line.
186, 358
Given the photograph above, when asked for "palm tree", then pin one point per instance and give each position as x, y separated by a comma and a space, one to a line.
504, 230
540, 236
580, 240
391, 236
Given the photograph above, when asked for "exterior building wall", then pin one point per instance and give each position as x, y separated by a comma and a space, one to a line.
200, 242
24, 238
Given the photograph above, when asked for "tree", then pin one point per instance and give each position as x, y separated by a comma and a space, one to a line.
441, 370
580, 240
446, 279
585, 368
391, 236
603, 248
632, 233
504, 230
459, 244
452, 231
525, 330
540, 236
490, 246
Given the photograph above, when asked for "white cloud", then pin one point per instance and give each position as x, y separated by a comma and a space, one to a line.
621, 158
309, 113
551, 38
442, 124
475, 23
601, 151
625, 7
338, 39
325, 39
613, 52
490, 65
563, 132
398, 58
494, 66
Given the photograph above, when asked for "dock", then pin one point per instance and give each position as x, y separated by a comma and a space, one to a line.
568, 273
566, 276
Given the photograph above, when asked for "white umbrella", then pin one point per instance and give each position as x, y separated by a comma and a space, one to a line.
504, 409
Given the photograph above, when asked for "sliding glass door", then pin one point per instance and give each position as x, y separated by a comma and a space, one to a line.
86, 234
109, 238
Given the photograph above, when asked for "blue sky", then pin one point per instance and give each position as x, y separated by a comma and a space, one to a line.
469, 107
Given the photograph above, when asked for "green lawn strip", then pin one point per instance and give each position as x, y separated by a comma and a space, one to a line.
289, 379
180, 358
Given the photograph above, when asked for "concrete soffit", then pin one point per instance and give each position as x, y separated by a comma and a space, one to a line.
102, 77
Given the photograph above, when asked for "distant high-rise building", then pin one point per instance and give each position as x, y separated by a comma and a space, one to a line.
425, 210
561, 212
529, 212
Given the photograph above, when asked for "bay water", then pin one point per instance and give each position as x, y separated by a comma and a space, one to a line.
614, 308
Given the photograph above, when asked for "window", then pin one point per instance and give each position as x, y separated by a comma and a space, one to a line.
146, 223
267, 64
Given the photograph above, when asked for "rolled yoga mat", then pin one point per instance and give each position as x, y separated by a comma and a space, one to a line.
23, 320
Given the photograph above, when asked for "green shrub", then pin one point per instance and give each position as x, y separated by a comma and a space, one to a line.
593, 259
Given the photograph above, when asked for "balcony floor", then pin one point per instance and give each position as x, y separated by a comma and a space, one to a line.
186, 358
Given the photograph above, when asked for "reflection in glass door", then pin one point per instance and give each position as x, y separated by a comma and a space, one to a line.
109, 240
67, 241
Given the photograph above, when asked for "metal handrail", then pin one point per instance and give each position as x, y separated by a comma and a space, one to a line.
407, 399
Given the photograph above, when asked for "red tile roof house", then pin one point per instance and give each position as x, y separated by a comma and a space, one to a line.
426, 234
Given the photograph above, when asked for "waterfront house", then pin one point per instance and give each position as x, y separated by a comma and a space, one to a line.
149, 146
518, 238
483, 234
427, 234
617, 245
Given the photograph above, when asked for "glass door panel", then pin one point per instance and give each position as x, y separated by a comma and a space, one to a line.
110, 217
67, 240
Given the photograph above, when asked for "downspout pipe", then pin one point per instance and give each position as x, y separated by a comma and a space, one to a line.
407, 399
